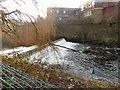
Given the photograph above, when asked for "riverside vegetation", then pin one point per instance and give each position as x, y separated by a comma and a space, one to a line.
54, 75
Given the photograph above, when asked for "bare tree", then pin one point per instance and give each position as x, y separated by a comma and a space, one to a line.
10, 21
2, 0
34, 30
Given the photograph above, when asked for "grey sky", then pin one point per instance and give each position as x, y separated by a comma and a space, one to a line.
29, 8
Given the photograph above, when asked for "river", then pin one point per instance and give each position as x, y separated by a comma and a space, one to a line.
88, 62
100, 62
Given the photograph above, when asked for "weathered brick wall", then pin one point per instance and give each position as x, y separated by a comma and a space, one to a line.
111, 13
98, 33
108, 4
98, 15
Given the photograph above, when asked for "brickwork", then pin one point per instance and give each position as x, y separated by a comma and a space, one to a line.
104, 11
111, 13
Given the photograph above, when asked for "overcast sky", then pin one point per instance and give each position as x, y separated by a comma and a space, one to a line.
29, 8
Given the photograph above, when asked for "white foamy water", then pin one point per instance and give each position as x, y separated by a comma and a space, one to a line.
53, 54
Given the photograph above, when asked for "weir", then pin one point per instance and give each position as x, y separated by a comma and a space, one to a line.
101, 60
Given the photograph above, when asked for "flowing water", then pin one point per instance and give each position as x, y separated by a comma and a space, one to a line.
84, 60
89, 62
100, 62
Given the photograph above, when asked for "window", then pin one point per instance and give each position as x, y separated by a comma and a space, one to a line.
89, 4
64, 11
60, 18
90, 12
82, 8
93, 3
57, 11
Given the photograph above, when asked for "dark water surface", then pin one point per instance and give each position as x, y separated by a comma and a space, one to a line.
98, 62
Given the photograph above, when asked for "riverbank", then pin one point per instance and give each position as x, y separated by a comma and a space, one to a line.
55, 76
74, 58
80, 59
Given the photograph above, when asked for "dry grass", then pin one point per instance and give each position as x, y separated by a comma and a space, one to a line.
27, 34
55, 76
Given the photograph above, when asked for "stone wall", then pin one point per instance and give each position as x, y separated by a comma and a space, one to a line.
98, 15
96, 33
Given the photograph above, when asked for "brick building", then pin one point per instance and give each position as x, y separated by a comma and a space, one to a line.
111, 11
94, 11
100, 11
89, 7
62, 13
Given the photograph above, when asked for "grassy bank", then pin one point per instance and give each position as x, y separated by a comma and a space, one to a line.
55, 76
